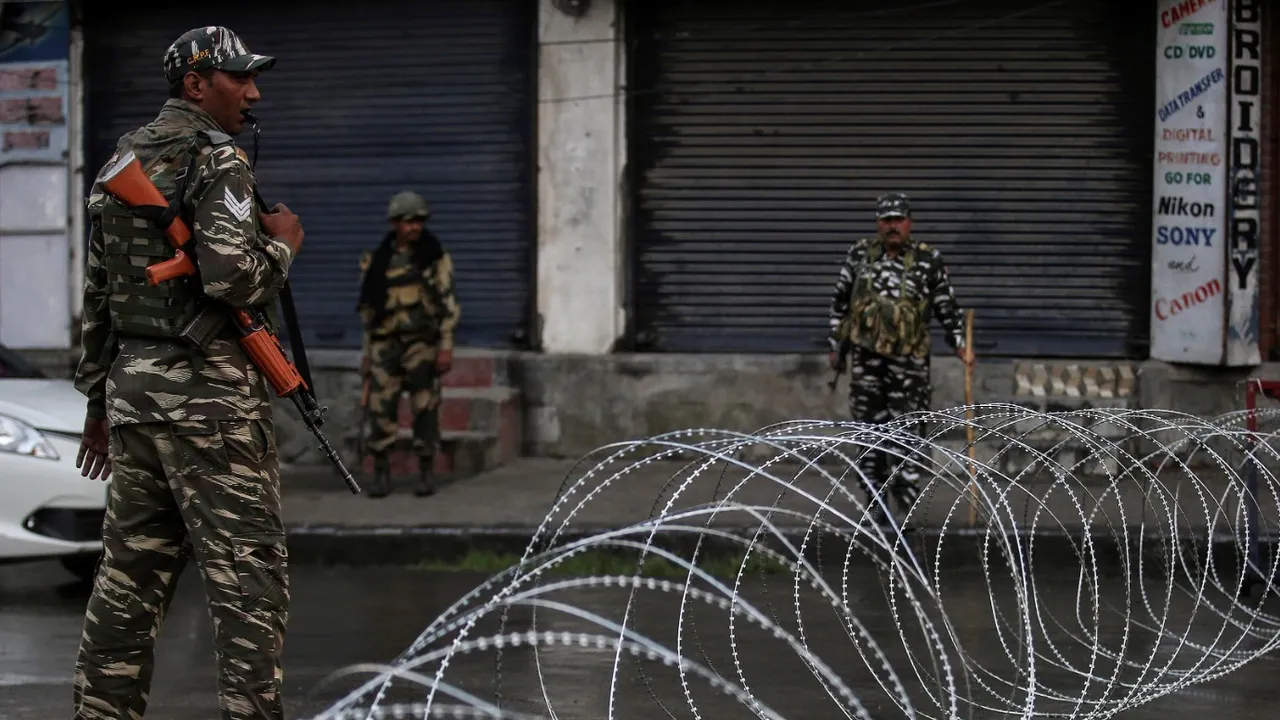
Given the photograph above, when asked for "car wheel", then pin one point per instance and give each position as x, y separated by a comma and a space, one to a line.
82, 566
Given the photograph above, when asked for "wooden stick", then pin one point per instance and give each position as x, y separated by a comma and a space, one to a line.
968, 429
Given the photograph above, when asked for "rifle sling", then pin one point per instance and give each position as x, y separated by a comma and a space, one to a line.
290, 318
295, 335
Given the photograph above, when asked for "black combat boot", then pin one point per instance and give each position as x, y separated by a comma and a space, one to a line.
381, 484
426, 485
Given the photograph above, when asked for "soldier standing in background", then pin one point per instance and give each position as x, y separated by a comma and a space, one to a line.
184, 420
409, 312
880, 309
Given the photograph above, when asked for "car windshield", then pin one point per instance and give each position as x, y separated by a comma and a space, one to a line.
13, 365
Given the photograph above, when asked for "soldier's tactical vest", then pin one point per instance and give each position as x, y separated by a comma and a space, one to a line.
893, 327
130, 244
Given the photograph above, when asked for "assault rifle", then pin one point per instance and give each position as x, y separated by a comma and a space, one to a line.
130, 185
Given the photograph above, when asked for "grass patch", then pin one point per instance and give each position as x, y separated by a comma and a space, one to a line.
596, 562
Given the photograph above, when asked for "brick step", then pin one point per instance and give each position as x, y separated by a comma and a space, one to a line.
476, 368
480, 429
483, 409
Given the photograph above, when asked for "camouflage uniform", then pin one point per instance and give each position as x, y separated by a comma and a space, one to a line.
409, 311
191, 437
881, 305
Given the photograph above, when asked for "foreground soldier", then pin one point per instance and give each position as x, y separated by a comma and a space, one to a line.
881, 305
187, 431
409, 312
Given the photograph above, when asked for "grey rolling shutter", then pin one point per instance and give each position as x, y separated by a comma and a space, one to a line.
367, 99
762, 133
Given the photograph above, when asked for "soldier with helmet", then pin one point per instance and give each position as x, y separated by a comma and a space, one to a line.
887, 289
409, 312
177, 411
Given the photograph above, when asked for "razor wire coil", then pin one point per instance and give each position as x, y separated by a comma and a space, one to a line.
1158, 509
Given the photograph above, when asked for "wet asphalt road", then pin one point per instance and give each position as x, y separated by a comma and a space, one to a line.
338, 617
343, 616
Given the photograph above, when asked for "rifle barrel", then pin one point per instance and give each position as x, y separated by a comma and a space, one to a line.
310, 419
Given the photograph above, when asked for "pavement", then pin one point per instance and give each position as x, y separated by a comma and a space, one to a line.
501, 510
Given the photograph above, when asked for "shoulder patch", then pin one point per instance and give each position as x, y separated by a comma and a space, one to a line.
241, 154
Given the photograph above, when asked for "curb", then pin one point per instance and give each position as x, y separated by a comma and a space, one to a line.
409, 545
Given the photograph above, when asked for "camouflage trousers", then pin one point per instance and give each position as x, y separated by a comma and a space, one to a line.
399, 364
208, 489
882, 389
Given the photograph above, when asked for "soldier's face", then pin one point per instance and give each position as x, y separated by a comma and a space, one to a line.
894, 228
224, 96
408, 229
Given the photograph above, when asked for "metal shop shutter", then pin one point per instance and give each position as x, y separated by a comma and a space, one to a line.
367, 99
761, 133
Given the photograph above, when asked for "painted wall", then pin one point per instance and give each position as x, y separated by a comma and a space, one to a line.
580, 160
35, 105
1206, 220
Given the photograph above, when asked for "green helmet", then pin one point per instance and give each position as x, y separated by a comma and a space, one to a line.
407, 204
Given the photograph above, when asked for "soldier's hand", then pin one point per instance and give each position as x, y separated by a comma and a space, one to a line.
832, 359
94, 459
966, 356
282, 223
444, 361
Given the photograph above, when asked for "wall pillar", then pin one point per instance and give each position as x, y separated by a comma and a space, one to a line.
35, 255
580, 158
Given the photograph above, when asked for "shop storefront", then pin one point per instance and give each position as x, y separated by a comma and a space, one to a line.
761, 134
367, 99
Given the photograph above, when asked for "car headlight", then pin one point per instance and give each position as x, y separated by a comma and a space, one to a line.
22, 439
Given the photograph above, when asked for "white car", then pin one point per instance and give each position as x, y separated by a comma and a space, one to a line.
47, 509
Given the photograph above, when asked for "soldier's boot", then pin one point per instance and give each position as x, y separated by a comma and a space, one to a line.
381, 484
426, 477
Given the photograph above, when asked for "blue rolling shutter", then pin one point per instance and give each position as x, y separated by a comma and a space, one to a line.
367, 99
761, 132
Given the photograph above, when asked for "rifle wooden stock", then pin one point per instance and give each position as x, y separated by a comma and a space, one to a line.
265, 351
178, 266
127, 183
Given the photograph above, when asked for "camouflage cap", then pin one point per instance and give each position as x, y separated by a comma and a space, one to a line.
893, 205
407, 204
211, 47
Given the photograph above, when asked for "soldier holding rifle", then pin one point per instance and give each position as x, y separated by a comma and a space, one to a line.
887, 288
178, 411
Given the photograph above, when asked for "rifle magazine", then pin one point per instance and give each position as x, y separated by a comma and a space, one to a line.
204, 327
